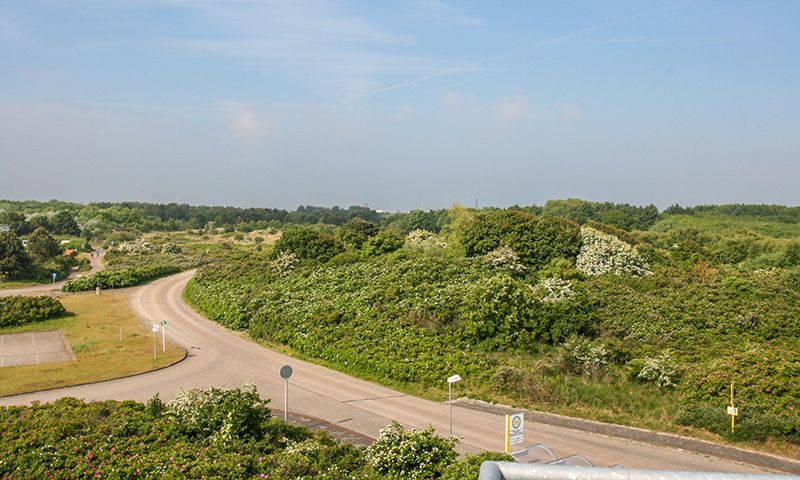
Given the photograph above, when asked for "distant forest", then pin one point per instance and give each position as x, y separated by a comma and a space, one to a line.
99, 219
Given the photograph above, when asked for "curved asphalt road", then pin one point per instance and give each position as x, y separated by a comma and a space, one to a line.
219, 357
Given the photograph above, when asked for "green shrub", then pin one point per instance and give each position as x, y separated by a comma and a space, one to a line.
308, 244
125, 277
17, 310
536, 240
386, 241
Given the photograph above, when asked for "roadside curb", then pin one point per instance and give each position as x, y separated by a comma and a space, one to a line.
96, 382
652, 437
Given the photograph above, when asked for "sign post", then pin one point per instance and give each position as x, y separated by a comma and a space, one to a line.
155, 330
286, 372
515, 430
733, 412
163, 335
54, 275
450, 381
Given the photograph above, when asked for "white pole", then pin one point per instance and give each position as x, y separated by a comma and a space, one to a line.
450, 402
163, 338
286, 400
154, 344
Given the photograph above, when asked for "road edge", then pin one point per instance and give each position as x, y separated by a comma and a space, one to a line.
663, 439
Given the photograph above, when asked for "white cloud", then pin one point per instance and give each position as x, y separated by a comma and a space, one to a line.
453, 100
404, 113
245, 124
513, 108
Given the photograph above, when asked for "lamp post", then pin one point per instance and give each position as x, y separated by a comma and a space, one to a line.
450, 381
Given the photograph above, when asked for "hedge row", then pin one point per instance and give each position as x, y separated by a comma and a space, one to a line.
16, 311
126, 277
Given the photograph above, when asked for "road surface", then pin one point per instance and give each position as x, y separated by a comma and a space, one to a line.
219, 357
44, 289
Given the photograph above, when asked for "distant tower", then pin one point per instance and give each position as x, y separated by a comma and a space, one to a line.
476, 203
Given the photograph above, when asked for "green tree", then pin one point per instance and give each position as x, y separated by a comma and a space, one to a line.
535, 239
39, 221
15, 221
385, 242
42, 246
356, 231
64, 223
309, 244
13, 259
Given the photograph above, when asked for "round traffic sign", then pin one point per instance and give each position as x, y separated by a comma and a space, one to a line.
163, 322
286, 372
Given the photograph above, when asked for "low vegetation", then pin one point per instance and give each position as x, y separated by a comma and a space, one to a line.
208, 434
120, 278
15, 310
647, 328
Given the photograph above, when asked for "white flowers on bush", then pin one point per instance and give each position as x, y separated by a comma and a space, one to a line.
504, 258
660, 370
586, 356
219, 414
554, 290
603, 253
284, 264
423, 240
413, 454
143, 247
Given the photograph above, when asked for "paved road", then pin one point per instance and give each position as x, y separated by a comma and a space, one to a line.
45, 288
218, 357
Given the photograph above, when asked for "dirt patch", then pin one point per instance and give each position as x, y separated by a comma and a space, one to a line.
34, 348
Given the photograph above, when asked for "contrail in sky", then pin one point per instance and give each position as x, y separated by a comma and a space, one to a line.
482, 65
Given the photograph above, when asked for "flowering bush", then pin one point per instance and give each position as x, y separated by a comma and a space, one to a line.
554, 290
220, 414
143, 247
284, 263
410, 454
602, 253
504, 258
581, 355
660, 370
423, 240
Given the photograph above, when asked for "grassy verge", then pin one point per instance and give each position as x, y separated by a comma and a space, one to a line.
19, 284
106, 338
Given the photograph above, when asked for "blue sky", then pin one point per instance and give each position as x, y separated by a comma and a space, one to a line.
400, 105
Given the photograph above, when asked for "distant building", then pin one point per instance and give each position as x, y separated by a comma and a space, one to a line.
71, 252
4, 228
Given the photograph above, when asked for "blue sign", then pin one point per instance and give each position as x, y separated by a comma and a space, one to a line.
54, 275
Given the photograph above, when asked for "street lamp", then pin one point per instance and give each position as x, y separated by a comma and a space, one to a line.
450, 381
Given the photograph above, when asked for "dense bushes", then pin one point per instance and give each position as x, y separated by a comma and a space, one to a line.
308, 243
211, 434
126, 277
536, 240
21, 310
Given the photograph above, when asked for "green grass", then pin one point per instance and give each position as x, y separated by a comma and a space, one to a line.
106, 338
19, 283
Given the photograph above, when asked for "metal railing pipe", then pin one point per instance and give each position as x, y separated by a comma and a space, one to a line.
533, 471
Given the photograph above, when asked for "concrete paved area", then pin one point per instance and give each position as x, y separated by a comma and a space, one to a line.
33, 348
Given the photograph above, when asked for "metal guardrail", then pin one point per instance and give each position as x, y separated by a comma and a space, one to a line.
533, 471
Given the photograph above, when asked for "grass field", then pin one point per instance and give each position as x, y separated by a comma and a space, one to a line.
106, 338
